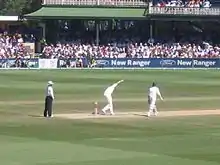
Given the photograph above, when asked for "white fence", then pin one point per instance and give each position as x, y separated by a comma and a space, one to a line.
122, 3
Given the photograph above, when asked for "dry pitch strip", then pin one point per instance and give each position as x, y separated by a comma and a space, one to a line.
139, 114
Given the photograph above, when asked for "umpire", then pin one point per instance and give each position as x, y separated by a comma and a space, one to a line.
49, 99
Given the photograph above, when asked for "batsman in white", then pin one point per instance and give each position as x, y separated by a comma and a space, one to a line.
108, 94
152, 98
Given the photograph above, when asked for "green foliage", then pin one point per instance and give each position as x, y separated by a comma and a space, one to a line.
18, 7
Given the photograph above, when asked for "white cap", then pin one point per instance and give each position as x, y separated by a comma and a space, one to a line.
50, 82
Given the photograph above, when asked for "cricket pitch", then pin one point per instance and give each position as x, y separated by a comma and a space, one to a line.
139, 114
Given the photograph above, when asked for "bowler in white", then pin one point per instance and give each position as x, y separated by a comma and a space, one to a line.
108, 94
153, 92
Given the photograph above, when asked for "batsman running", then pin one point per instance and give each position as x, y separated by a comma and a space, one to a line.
108, 94
152, 98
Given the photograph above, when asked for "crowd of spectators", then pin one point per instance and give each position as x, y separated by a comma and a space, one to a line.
182, 3
133, 50
12, 45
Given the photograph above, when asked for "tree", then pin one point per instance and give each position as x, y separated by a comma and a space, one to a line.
18, 7
32, 6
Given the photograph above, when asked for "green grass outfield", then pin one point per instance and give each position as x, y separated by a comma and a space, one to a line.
29, 140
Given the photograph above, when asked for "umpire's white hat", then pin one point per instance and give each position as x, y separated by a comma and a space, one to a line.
50, 83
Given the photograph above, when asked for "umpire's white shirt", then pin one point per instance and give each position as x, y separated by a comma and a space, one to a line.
153, 92
49, 91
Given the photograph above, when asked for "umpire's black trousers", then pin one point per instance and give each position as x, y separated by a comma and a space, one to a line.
48, 106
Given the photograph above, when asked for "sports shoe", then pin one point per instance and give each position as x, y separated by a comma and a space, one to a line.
103, 113
155, 113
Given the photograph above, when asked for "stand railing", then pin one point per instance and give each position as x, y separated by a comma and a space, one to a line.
116, 3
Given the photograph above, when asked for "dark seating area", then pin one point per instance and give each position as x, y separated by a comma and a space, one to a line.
215, 3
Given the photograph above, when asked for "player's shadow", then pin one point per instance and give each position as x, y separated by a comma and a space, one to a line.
141, 115
36, 116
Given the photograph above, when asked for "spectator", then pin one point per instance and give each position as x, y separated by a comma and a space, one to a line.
206, 4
